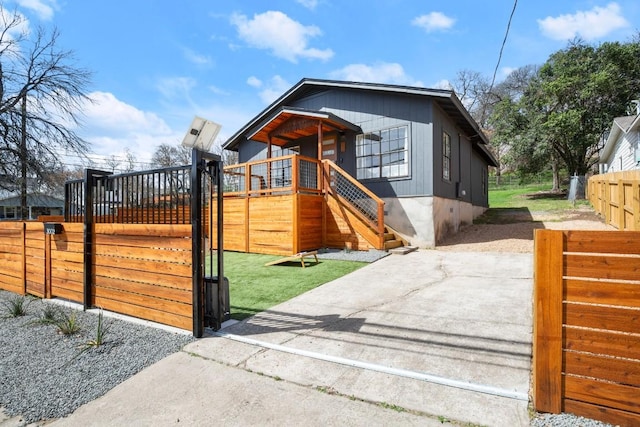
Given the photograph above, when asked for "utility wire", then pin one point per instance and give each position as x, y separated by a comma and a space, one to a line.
504, 42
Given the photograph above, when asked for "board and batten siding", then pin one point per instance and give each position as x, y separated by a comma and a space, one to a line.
373, 112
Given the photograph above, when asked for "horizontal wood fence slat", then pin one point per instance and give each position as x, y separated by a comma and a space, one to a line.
142, 270
587, 322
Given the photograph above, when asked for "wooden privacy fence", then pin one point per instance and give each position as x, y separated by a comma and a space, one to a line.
141, 270
586, 338
616, 196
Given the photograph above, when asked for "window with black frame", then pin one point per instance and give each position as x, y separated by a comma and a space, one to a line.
383, 154
446, 156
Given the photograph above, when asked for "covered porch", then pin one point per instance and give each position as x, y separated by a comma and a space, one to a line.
302, 201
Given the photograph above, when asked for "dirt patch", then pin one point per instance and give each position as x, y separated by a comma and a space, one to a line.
511, 229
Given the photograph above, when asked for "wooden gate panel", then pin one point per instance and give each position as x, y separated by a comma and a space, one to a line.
587, 291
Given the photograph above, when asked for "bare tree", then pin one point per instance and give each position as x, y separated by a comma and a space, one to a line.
41, 95
171, 155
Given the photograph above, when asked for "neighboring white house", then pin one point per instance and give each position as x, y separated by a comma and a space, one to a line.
621, 150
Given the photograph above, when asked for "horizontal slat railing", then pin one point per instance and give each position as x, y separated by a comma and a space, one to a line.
587, 324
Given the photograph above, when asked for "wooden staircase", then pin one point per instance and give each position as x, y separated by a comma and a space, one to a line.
392, 240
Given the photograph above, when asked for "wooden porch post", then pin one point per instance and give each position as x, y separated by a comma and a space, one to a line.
320, 136
269, 163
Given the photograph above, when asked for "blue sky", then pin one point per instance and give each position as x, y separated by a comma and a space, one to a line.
157, 63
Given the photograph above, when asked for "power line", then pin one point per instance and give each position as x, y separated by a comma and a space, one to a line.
504, 42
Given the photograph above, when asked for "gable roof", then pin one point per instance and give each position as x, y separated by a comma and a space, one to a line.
35, 200
446, 99
288, 123
621, 125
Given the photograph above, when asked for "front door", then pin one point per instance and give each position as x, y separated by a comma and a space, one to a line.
329, 149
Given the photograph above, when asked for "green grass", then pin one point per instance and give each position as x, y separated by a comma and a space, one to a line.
535, 197
254, 287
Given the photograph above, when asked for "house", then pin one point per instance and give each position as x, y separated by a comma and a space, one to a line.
412, 154
621, 150
38, 204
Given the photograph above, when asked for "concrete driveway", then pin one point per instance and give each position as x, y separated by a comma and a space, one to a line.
408, 340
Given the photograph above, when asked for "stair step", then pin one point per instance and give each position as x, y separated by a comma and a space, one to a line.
392, 244
389, 236
403, 250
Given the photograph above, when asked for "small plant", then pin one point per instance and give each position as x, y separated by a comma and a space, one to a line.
49, 314
67, 324
16, 306
101, 333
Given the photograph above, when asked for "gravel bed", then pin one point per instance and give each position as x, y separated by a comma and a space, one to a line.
347, 255
46, 375
565, 420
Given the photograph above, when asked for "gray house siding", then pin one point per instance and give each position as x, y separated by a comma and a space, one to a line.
422, 206
372, 113
479, 181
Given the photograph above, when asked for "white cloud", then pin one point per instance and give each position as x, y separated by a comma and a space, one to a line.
195, 57
284, 37
274, 89
111, 126
442, 84
434, 21
45, 9
391, 73
176, 87
309, 4
253, 81
590, 25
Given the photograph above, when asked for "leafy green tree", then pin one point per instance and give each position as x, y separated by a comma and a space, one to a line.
563, 114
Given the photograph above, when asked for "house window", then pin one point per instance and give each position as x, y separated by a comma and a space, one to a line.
383, 154
446, 156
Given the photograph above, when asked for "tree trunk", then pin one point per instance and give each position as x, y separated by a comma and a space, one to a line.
24, 208
556, 175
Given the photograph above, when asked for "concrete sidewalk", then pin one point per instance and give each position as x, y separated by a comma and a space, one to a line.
354, 352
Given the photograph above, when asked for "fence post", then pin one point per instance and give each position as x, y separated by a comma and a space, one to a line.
47, 266
636, 204
23, 268
88, 237
547, 321
621, 202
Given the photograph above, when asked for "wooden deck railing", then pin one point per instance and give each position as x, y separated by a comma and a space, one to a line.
616, 196
288, 174
317, 204
586, 332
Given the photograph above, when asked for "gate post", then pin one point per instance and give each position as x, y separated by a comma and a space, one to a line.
196, 244
547, 321
210, 295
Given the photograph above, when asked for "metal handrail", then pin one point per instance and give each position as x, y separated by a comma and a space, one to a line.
351, 192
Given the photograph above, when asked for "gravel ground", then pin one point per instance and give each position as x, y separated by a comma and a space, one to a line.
347, 255
46, 375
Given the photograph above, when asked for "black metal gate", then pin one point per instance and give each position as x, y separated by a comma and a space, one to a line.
176, 195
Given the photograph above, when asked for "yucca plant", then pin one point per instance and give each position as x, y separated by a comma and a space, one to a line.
101, 332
